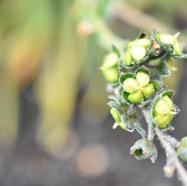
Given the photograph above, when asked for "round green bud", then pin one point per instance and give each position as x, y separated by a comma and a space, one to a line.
142, 78
130, 85
182, 153
111, 75
162, 120
135, 97
116, 115
110, 61
128, 59
138, 52
148, 90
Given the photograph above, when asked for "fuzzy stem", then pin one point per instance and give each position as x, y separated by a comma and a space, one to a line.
171, 154
150, 133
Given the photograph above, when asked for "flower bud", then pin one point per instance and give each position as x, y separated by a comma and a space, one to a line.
135, 97
138, 52
162, 120
144, 149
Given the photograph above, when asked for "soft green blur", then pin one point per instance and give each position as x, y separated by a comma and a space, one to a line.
58, 46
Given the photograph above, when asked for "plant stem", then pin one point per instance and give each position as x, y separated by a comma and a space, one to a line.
150, 133
171, 154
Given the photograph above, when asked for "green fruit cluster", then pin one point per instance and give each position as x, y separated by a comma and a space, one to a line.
138, 88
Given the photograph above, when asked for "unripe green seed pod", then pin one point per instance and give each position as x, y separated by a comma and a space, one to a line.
166, 38
162, 120
142, 42
182, 150
142, 78
138, 52
148, 90
161, 107
110, 61
130, 85
177, 48
183, 142
182, 153
111, 75
128, 59
135, 97
116, 115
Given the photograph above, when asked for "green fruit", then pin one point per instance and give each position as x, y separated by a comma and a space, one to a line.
177, 48
110, 61
166, 38
142, 42
138, 52
182, 153
116, 115
148, 90
162, 107
135, 97
162, 120
111, 75
130, 85
142, 78
128, 59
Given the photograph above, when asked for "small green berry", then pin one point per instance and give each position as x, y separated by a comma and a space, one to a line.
130, 85
135, 97
148, 90
138, 52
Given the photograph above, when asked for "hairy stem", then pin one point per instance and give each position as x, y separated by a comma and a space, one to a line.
171, 154
150, 134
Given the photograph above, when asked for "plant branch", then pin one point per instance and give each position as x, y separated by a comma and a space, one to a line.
150, 134
171, 154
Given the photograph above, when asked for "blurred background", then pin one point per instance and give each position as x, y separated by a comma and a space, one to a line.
55, 129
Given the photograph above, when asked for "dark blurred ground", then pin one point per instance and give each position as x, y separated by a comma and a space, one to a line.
55, 129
